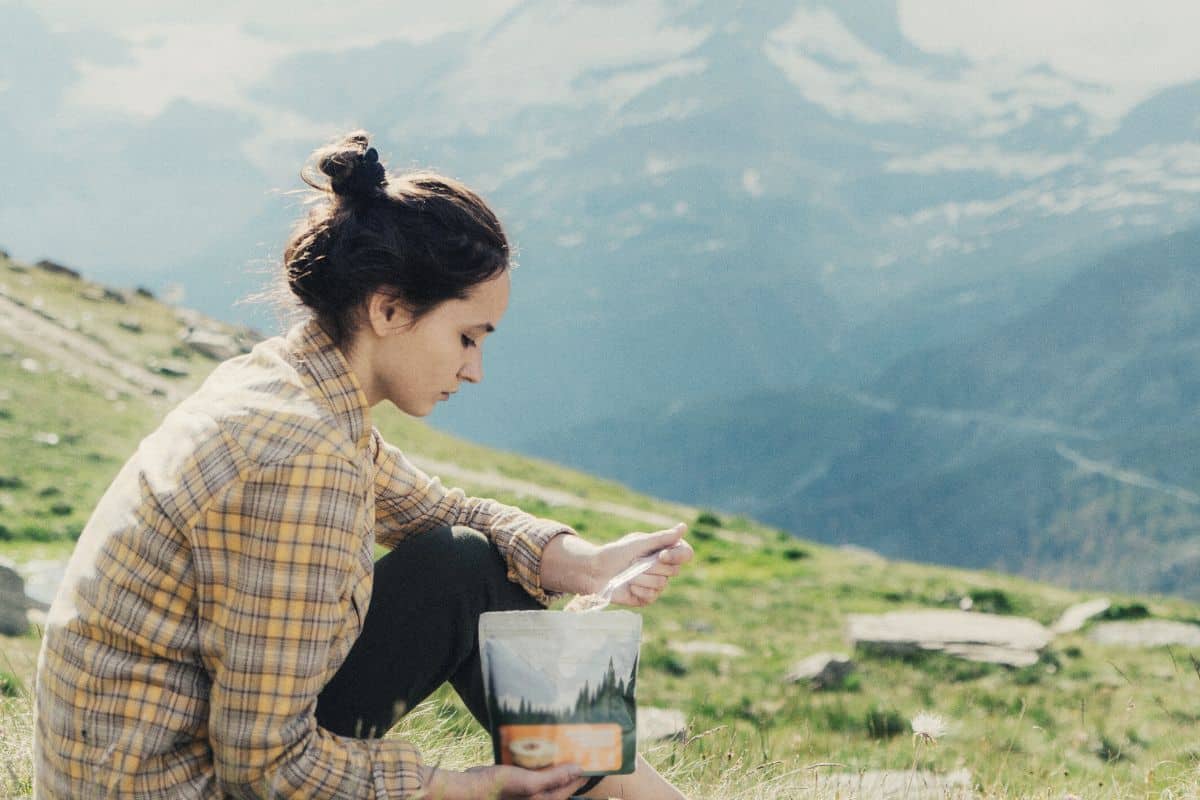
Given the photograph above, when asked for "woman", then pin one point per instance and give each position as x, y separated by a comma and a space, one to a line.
222, 630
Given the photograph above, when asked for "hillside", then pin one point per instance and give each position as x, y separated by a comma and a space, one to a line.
1057, 447
1092, 718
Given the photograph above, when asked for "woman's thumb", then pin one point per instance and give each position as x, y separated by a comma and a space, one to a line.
661, 540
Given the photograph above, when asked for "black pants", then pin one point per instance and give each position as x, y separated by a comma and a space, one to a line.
420, 631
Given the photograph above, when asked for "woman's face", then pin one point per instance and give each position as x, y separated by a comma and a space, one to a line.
415, 365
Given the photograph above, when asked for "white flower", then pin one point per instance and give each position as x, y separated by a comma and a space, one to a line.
928, 727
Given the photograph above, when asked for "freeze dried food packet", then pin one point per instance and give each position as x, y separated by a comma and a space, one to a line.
561, 687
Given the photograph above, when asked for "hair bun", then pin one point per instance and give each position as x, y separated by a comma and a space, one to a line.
353, 168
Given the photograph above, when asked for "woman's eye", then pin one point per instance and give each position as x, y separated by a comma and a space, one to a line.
467, 341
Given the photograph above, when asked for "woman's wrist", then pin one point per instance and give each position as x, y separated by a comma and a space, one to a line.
569, 565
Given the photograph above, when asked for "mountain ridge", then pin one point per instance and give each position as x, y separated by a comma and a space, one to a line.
1054, 446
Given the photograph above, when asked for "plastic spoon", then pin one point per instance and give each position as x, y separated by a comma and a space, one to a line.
595, 602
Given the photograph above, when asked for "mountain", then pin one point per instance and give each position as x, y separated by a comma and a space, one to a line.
1057, 446
708, 198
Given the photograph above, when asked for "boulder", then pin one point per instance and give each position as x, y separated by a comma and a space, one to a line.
660, 724
706, 649
212, 343
1146, 633
822, 670
992, 638
14, 605
1077, 615
42, 579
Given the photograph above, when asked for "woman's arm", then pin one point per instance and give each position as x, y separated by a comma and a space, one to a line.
273, 558
409, 502
545, 562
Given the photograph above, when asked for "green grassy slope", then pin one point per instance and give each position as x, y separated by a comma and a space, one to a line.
1088, 719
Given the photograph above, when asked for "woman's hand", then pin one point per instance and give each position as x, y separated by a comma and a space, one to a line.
572, 564
611, 559
502, 783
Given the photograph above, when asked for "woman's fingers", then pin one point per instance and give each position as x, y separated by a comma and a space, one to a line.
679, 553
642, 595
651, 582
555, 783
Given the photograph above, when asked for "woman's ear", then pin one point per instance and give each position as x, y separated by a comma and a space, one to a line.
386, 314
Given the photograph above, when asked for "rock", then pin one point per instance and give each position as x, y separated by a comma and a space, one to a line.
822, 671
102, 294
171, 368
1077, 615
660, 724
212, 343
13, 603
42, 578
706, 649
31, 365
57, 269
896, 785
992, 638
47, 438
1146, 633
131, 324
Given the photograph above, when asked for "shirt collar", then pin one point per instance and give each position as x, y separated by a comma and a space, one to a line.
334, 379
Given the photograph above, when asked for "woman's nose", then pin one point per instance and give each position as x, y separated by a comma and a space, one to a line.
472, 369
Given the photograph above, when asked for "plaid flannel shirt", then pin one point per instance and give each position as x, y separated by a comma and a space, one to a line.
221, 581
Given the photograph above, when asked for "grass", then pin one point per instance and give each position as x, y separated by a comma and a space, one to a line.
1087, 720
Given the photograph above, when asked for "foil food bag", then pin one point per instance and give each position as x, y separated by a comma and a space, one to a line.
560, 688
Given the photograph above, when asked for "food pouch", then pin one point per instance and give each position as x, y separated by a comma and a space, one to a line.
560, 688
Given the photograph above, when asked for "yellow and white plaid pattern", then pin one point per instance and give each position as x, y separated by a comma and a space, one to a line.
223, 578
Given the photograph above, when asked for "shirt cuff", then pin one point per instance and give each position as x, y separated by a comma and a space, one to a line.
395, 768
527, 548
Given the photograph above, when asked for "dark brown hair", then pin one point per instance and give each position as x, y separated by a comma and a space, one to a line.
423, 236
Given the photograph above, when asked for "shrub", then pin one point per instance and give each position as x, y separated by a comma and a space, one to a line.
885, 723
1126, 611
10, 685
991, 601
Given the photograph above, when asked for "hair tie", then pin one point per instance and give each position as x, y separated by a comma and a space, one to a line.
367, 176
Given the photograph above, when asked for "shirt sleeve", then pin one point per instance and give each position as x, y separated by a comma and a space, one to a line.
408, 501
274, 570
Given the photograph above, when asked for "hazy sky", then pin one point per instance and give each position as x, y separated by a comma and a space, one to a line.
1134, 47
119, 65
